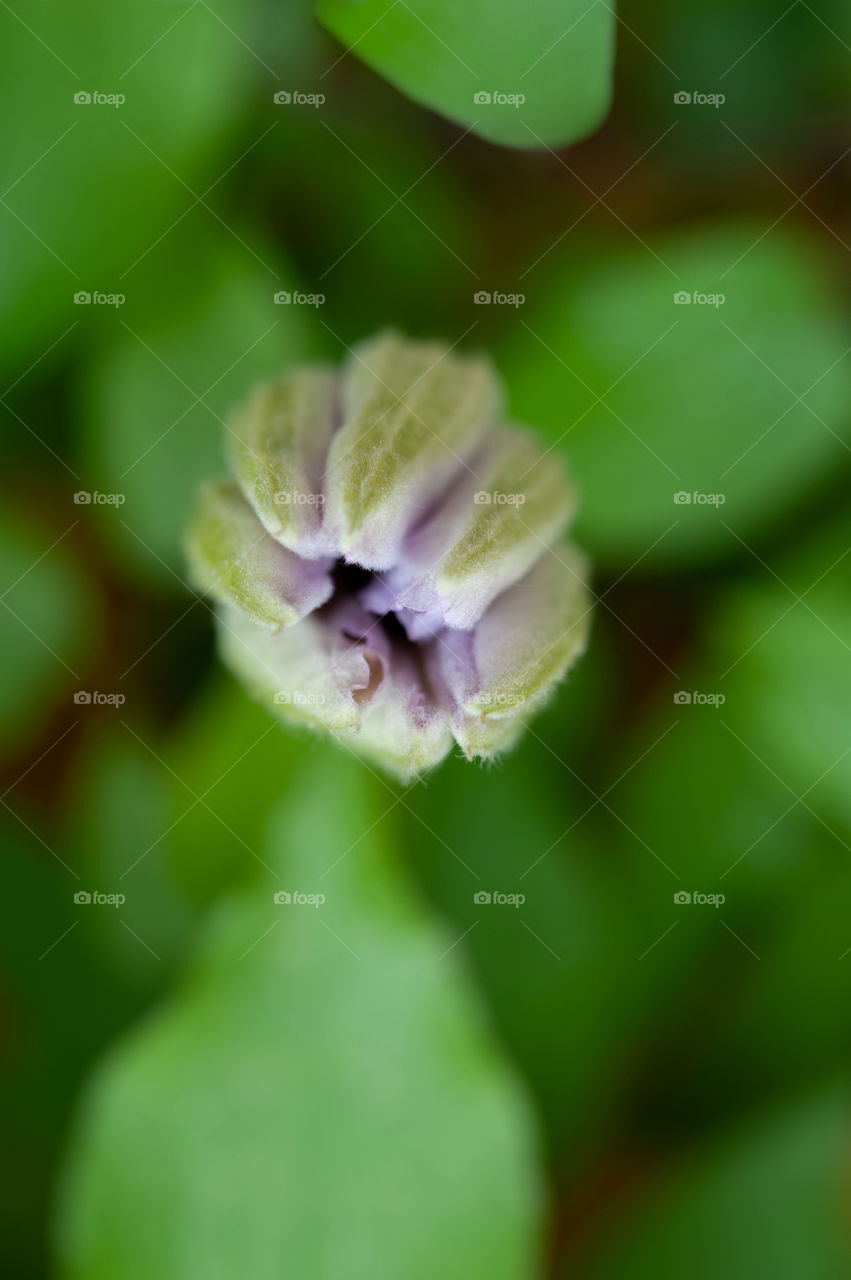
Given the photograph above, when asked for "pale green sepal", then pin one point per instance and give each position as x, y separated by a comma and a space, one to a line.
278, 445
232, 557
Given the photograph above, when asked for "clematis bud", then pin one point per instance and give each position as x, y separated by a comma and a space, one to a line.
389, 560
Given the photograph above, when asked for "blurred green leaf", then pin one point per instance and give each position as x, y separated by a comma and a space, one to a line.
458, 59
155, 405
123, 832
750, 53
61, 1005
229, 763
398, 226
47, 630
762, 1203
321, 1098
556, 965
789, 1019
788, 645
745, 859
747, 399
89, 187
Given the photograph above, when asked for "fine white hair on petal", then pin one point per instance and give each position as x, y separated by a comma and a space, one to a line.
492, 527
504, 668
278, 445
414, 414
233, 558
390, 566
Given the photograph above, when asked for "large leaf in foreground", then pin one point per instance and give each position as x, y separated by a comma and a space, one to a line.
320, 1099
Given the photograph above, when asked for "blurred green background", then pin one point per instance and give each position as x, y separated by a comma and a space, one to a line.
609, 1080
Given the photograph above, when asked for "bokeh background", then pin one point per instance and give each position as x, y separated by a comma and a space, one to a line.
607, 1081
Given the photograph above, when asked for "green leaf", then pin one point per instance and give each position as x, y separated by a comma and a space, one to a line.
791, 684
230, 752
792, 1019
62, 1005
320, 1099
745, 400
525, 76
123, 834
428, 238
90, 187
557, 960
743, 855
156, 403
45, 624
761, 1203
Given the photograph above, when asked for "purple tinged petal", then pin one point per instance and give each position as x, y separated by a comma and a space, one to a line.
491, 529
233, 557
415, 414
506, 667
414, 541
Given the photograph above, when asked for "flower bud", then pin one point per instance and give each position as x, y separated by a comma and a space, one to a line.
389, 565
